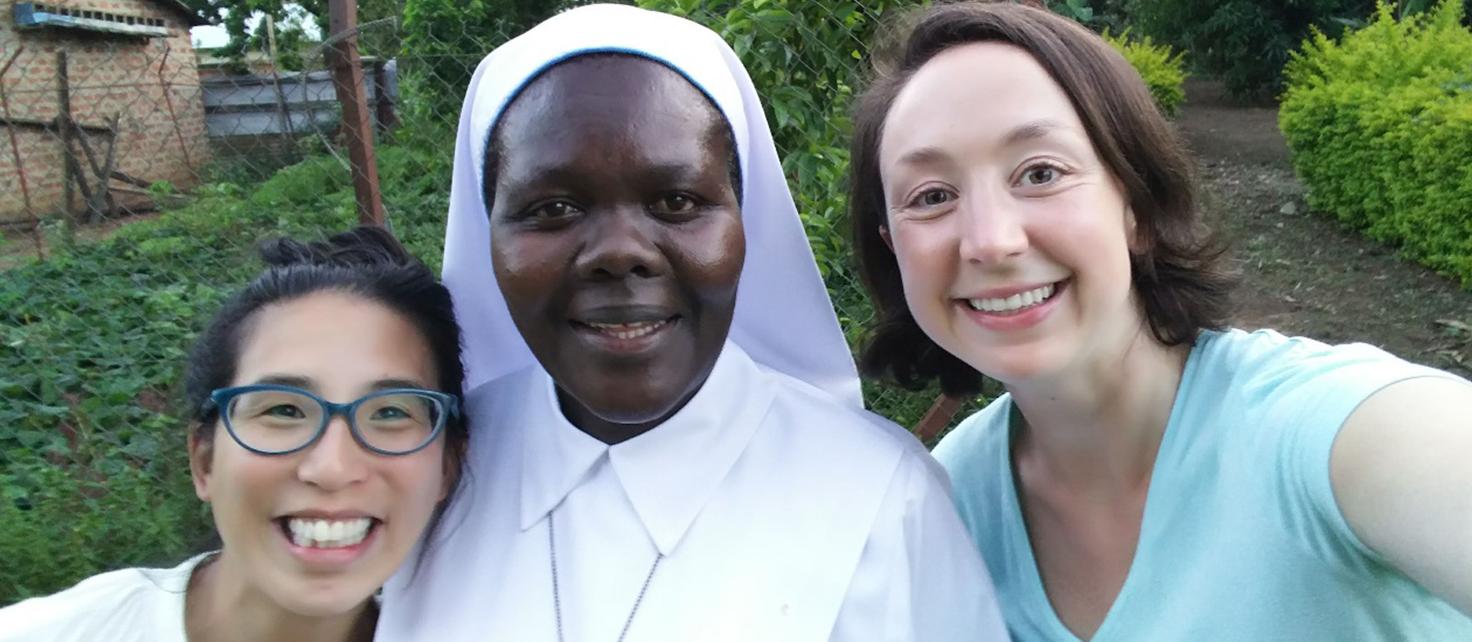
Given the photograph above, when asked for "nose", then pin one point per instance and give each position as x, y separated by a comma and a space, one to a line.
619, 244
335, 460
993, 229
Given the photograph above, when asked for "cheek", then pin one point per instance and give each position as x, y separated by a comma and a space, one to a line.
523, 266
924, 259
243, 486
419, 478
711, 259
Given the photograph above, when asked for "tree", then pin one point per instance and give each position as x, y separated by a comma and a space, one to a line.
297, 23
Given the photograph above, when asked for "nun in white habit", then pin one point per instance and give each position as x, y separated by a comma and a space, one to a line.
657, 454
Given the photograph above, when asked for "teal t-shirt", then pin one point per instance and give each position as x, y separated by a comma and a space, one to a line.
1241, 538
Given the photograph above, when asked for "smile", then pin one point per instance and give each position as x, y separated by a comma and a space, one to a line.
628, 331
1015, 304
327, 533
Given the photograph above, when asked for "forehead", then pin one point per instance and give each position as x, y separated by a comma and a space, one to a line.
977, 92
306, 336
621, 98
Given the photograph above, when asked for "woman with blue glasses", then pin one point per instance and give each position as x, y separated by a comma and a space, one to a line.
327, 438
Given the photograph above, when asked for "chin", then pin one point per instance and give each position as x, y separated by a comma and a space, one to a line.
318, 601
620, 410
1017, 364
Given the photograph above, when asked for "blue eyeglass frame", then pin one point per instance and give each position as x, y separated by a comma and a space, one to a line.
220, 399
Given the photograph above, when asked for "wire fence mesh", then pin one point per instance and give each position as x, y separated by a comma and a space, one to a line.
137, 176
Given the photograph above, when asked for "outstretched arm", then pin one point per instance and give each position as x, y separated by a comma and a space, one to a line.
1401, 469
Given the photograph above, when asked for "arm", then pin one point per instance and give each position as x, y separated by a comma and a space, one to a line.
1401, 470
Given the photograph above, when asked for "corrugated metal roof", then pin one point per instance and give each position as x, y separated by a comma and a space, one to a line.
178, 5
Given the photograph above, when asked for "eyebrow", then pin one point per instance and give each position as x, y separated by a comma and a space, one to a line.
1025, 132
1031, 131
306, 383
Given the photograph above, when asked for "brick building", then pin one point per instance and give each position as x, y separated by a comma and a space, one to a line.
133, 89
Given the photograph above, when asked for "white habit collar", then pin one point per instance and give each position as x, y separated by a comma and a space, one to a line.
668, 473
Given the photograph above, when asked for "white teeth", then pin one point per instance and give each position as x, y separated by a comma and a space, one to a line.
321, 533
629, 330
1015, 302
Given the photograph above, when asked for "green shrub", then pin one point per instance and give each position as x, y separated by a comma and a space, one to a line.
1245, 42
1380, 126
1161, 68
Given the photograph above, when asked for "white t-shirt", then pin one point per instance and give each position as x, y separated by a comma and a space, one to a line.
129, 605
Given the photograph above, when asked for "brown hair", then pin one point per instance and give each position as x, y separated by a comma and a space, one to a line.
1177, 268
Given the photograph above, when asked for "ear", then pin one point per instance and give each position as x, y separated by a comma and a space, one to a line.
1138, 243
884, 234
201, 456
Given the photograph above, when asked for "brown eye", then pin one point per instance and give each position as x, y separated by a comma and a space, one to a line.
675, 204
933, 198
554, 211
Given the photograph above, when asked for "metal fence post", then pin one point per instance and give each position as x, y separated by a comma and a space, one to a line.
347, 78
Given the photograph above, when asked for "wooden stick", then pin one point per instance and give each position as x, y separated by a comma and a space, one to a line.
347, 79
20, 172
937, 418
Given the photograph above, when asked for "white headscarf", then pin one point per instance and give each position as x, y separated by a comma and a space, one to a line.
783, 317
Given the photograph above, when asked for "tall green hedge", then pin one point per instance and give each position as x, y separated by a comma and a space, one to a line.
1380, 126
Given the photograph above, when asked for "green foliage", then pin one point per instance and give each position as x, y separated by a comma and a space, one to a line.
1380, 126
1161, 68
446, 39
1245, 42
93, 473
1078, 10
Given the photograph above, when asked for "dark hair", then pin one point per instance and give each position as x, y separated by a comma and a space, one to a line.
1177, 269
494, 149
367, 262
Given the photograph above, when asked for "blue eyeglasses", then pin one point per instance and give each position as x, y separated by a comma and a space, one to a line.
272, 419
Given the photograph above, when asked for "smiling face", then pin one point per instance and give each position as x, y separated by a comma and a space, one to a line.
616, 237
1012, 237
333, 487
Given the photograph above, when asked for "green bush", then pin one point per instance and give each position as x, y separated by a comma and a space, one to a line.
1163, 70
1245, 42
1380, 126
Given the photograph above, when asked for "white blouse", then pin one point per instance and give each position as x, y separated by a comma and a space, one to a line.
780, 516
128, 605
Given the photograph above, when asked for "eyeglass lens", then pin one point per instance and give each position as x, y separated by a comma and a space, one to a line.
279, 420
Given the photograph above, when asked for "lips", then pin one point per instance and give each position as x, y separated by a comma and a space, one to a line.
625, 328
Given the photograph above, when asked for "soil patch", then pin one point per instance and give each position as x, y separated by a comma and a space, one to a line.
1303, 273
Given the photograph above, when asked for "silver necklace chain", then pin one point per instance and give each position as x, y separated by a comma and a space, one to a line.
557, 596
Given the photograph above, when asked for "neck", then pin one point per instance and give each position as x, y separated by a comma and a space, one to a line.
612, 431
1097, 428
220, 606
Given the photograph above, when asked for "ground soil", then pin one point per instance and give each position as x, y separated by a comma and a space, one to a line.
1303, 273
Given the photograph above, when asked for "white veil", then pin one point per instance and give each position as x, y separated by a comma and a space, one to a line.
783, 316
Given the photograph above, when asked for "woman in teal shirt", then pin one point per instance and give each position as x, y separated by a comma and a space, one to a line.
1023, 212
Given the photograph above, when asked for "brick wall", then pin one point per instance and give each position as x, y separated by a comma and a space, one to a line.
109, 75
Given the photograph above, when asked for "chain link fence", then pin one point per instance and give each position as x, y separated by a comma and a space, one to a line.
137, 176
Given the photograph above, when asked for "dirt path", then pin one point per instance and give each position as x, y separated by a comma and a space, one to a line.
1302, 272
